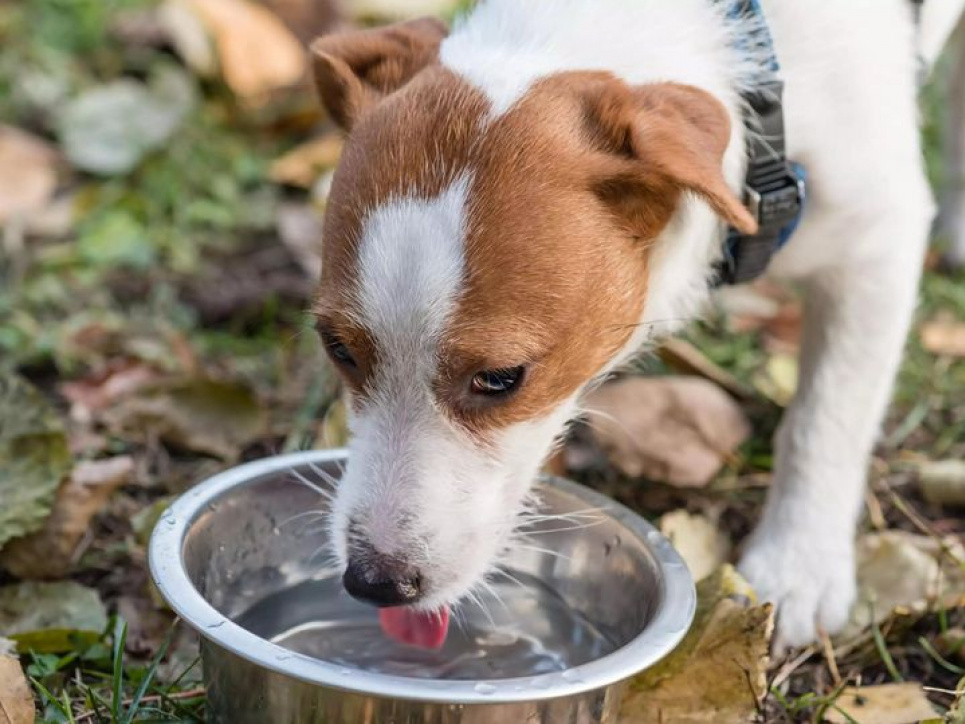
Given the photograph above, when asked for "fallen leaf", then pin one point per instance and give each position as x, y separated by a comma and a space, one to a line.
944, 337
28, 173
770, 309
189, 36
778, 379
51, 617
681, 356
208, 416
91, 396
303, 165
16, 699
900, 572
49, 552
300, 229
34, 457
698, 540
257, 54
109, 128
904, 703
943, 482
718, 673
679, 430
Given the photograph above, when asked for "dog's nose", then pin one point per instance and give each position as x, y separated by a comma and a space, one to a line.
382, 580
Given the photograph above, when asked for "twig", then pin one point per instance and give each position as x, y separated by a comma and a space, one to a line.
790, 667
829, 656
153, 698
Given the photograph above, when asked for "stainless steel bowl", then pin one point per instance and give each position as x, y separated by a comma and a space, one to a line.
231, 543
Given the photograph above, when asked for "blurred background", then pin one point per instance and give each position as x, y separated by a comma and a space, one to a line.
163, 172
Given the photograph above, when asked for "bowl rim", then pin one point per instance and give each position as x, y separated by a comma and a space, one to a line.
670, 622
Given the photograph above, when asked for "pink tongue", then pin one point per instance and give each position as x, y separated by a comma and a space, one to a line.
416, 628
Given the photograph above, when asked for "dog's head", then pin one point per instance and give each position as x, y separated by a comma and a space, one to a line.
478, 270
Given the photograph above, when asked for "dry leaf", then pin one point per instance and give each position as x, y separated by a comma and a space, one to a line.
257, 54
778, 379
905, 573
701, 543
49, 553
679, 430
93, 395
218, 418
944, 337
943, 482
51, 617
16, 700
884, 704
681, 356
28, 173
34, 457
303, 165
189, 36
718, 673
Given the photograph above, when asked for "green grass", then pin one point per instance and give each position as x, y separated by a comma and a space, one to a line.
98, 684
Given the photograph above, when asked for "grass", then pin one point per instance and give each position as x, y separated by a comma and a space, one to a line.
98, 684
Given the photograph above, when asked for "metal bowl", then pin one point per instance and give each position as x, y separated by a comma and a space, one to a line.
233, 542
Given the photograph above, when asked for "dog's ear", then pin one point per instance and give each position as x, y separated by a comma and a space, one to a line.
659, 140
354, 70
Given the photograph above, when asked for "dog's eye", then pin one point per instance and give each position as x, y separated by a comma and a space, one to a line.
496, 382
337, 350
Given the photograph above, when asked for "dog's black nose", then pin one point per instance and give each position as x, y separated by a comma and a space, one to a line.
382, 580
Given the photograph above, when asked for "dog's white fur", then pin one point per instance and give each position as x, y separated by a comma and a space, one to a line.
415, 481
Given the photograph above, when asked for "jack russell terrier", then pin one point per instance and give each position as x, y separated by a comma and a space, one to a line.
527, 200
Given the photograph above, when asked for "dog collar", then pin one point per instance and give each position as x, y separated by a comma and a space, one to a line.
774, 188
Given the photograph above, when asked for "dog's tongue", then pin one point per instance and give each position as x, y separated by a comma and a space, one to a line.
416, 628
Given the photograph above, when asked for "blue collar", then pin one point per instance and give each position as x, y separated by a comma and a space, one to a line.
774, 187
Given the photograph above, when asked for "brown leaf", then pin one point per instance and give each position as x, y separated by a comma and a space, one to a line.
717, 675
16, 701
900, 572
257, 54
28, 173
679, 430
302, 165
49, 553
698, 540
944, 337
306, 18
208, 416
93, 395
767, 308
904, 703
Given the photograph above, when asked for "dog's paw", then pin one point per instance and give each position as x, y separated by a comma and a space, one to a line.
810, 582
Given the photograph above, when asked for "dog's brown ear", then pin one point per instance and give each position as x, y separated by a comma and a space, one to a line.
659, 140
354, 70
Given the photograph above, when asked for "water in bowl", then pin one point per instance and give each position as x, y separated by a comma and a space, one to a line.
520, 628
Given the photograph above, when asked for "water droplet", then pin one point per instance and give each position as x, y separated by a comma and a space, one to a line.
485, 689
345, 672
283, 657
217, 624
171, 520
572, 675
654, 536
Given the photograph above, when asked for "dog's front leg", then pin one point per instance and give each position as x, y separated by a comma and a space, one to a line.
801, 556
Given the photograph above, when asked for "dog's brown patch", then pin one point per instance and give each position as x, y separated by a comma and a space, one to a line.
568, 190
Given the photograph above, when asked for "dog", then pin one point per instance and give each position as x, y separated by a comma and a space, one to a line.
529, 200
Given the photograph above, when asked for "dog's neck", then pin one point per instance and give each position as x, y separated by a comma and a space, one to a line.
504, 46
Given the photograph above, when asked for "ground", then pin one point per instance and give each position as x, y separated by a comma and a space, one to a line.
158, 211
